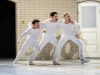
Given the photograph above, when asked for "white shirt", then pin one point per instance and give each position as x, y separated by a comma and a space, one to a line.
68, 29
33, 35
50, 28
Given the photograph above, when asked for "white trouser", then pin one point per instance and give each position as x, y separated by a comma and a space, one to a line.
63, 40
25, 47
43, 42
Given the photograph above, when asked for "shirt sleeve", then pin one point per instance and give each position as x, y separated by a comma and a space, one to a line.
25, 33
76, 28
42, 26
59, 22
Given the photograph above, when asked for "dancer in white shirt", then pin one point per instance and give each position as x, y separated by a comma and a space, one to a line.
33, 33
70, 31
49, 36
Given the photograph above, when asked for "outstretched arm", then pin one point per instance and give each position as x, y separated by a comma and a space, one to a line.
23, 34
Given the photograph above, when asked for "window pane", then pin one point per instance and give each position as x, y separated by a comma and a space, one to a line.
89, 17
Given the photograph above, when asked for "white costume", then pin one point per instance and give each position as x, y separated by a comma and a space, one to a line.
49, 36
68, 33
30, 42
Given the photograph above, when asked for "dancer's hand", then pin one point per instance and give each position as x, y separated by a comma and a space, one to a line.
44, 31
77, 36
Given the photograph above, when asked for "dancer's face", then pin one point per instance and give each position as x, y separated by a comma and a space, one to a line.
36, 25
55, 17
67, 17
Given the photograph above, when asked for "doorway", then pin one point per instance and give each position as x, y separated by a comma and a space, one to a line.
7, 30
89, 20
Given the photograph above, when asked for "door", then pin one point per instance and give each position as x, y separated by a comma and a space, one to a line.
89, 20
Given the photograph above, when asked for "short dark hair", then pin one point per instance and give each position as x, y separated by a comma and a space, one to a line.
53, 13
35, 21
